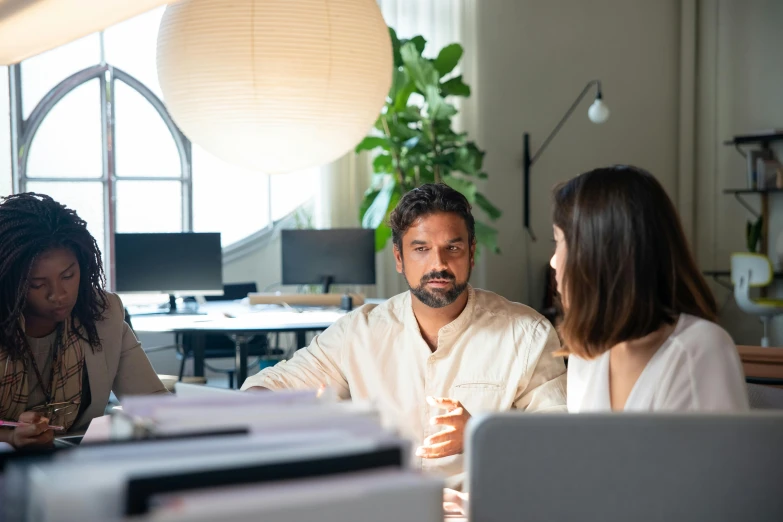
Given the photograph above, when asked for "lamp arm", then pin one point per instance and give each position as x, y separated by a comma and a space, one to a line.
565, 118
528, 160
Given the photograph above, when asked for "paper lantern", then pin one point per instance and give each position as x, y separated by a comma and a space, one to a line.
275, 85
28, 28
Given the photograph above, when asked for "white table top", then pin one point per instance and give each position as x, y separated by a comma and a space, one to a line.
237, 317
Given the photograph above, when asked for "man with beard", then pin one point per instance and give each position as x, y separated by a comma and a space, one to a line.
430, 357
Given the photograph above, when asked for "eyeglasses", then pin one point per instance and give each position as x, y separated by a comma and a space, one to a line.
57, 411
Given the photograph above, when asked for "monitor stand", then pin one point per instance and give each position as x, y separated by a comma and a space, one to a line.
172, 309
326, 281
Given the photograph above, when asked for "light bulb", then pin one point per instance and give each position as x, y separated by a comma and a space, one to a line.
598, 111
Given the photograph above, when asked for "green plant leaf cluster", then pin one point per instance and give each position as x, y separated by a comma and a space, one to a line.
414, 143
753, 234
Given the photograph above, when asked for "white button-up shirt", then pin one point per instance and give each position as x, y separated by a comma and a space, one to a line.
496, 355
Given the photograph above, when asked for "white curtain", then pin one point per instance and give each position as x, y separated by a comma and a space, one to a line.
344, 182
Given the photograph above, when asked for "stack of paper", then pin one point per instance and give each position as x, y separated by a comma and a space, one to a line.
292, 456
377, 496
231, 411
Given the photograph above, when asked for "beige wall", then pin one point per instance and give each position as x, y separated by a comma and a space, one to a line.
740, 89
533, 60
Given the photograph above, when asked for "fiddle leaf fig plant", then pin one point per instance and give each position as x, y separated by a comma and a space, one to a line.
414, 143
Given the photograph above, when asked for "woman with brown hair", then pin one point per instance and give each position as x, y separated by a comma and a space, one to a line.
638, 322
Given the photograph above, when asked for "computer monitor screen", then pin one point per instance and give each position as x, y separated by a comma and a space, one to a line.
174, 263
343, 256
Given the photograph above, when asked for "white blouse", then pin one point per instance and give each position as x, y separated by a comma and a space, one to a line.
697, 369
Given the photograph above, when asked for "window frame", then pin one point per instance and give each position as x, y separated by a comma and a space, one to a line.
23, 133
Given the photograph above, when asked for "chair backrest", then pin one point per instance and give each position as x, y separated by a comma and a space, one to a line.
765, 397
233, 291
128, 318
756, 269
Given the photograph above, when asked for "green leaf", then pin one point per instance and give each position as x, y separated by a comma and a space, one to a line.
483, 203
367, 199
382, 235
437, 106
395, 47
753, 234
372, 142
382, 231
482, 175
463, 186
448, 58
375, 214
411, 143
487, 237
401, 131
419, 42
401, 97
399, 80
409, 114
382, 163
420, 70
469, 159
455, 87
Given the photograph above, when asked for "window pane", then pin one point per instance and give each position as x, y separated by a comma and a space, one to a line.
68, 142
289, 191
86, 198
6, 185
227, 199
40, 74
143, 143
131, 46
149, 206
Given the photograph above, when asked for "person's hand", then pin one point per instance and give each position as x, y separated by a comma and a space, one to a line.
35, 433
450, 440
455, 502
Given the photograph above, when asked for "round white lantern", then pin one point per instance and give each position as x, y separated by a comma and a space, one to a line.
275, 85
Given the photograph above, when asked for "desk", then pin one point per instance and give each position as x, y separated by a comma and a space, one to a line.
237, 321
764, 363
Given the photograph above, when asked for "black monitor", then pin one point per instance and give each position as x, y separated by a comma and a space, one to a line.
341, 256
184, 263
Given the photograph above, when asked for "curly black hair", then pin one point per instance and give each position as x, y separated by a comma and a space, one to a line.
425, 200
31, 224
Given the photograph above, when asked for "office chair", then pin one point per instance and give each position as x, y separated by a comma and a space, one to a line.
233, 291
763, 395
754, 271
218, 346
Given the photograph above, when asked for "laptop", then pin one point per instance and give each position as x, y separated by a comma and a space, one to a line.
621, 467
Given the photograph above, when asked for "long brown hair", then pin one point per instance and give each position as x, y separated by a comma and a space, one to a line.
628, 268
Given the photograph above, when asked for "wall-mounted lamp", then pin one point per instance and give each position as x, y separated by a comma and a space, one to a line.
598, 113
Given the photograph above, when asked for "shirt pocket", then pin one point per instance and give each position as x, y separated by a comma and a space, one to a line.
479, 395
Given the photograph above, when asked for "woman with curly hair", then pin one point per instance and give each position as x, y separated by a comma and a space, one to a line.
64, 343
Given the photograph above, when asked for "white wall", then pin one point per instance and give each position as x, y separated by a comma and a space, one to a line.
740, 89
261, 266
533, 59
